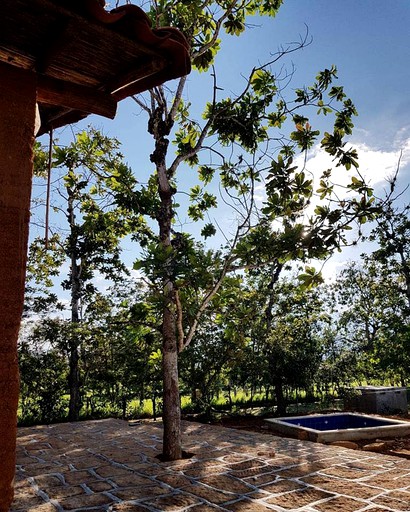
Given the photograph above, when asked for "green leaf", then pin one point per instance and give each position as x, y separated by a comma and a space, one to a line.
195, 192
208, 230
206, 174
234, 25
310, 278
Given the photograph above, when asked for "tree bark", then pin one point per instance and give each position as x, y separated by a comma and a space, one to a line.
172, 441
160, 126
74, 358
171, 414
74, 384
17, 106
280, 397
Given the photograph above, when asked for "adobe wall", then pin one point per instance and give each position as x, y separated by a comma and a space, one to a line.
17, 117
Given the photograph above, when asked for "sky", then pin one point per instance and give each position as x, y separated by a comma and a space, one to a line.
368, 41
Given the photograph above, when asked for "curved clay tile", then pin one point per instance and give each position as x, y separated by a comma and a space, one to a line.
158, 55
133, 22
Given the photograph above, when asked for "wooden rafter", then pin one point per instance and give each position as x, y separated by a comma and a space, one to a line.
86, 59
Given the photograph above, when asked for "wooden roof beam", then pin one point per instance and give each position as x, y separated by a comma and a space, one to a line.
76, 97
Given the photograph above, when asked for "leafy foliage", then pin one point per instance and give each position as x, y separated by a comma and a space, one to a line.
237, 147
90, 171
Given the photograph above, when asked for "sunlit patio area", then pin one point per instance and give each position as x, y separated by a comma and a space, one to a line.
110, 465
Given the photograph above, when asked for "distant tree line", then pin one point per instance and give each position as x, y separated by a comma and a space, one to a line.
265, 333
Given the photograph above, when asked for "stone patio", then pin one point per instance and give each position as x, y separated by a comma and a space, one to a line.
109, 465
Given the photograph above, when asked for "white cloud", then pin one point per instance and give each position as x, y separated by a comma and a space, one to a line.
260, 193
331, 269
402, 142
136, 275
375, 165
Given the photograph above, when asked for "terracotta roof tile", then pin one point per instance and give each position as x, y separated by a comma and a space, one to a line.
86, 58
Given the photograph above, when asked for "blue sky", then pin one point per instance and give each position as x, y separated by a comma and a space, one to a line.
368, 41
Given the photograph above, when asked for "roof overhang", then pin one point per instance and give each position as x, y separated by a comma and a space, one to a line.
85, 58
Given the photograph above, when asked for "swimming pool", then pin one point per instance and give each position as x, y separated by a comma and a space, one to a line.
326, 428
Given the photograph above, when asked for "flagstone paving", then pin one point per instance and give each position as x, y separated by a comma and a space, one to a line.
111, 466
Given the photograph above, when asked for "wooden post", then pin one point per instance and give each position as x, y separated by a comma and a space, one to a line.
17, 120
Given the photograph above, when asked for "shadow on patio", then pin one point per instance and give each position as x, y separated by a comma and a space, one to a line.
108, 465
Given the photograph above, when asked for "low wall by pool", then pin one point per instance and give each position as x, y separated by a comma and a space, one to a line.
378, 400
326, 428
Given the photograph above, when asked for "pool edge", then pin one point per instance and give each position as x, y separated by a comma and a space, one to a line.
397, 428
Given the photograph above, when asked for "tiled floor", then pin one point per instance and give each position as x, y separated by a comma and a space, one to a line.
111, 466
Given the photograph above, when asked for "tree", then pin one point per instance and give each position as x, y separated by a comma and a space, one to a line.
240, 140
42, 382
89, 170
373, 320
206, 361
286, 327
122, 360
339, 367
392, 234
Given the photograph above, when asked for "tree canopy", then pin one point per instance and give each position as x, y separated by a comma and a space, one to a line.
244, 141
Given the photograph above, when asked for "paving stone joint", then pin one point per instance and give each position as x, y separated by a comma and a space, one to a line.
112, 466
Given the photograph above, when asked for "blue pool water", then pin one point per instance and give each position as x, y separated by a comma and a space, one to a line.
336, 421
327, 428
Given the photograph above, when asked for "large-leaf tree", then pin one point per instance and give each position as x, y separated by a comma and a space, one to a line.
373, 321
375, 295
238, 145
82, 240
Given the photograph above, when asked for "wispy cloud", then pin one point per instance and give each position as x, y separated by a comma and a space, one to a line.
375, 165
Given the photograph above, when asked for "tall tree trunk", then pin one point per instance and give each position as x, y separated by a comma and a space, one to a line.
74, 384
154, 405
172, 449
17, 106
74, 357
280, 397
160, 126
124, 403
171, 414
